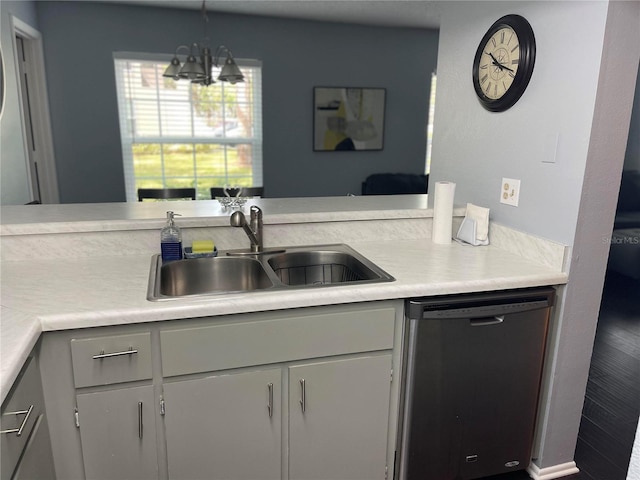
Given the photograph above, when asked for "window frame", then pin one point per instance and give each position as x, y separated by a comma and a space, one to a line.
431, 113
129, 138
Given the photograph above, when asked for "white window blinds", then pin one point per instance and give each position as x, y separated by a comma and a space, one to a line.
179, 134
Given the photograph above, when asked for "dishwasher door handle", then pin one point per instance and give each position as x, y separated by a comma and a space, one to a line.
427, 311
484, 321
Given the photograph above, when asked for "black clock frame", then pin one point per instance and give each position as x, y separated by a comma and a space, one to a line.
527, 43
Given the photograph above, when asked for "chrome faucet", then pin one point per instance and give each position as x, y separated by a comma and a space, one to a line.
253, 230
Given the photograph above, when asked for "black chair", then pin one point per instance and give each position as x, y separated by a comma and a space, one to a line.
395, 184
246, 192
166, 193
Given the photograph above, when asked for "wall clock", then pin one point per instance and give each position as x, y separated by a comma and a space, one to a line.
504, 63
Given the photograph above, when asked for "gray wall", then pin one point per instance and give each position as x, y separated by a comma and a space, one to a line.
79, 38
584, 98
14, 184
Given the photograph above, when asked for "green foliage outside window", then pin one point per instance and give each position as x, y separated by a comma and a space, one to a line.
179, 134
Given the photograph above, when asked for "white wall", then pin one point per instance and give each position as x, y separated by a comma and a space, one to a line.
575, 97
632, 158
14, 183
598, 200
634, 464
476, 148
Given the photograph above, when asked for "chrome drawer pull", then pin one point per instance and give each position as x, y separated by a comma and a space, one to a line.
303, 399
18, 431
270, 404
131, 351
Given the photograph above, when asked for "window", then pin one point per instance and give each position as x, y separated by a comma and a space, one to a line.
178, 134
432, 111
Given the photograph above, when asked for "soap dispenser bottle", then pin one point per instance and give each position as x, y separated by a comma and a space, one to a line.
171, 240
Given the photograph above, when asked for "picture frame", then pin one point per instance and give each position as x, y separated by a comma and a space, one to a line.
348, 118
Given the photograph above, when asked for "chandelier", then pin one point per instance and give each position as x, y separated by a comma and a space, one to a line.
199, 61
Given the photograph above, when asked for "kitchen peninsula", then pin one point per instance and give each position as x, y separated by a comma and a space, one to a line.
70, 267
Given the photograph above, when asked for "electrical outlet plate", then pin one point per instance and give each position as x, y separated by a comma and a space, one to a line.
510, 191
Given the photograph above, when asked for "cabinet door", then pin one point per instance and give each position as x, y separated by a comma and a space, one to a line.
118, 433
37, 460
24, 404
339, 416
225, 426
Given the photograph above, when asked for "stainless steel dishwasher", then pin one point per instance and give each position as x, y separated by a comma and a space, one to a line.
473, 366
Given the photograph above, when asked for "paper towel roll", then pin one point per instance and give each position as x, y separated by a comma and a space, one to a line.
443, 212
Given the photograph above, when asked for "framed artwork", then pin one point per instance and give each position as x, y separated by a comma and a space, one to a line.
348, 119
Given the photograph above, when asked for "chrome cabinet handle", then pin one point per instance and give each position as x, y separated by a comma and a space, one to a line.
303, 399
131, 351
140, 420
270, 404
26, 413
482, 322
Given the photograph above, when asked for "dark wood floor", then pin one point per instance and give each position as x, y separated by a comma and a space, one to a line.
612, 401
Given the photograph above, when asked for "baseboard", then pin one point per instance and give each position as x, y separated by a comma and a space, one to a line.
549, 473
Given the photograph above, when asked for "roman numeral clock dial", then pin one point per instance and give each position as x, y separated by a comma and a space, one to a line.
504, 63
499, 63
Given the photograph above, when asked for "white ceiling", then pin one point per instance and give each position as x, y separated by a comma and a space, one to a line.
392, 13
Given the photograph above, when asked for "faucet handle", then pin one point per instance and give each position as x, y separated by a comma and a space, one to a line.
256, 212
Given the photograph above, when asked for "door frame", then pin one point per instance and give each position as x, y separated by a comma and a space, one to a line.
43, 155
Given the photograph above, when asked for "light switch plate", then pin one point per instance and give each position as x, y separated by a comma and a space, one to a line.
510, 191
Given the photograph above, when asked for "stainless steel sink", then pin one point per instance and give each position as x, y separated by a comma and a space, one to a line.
276, 269
209, 275
321, 267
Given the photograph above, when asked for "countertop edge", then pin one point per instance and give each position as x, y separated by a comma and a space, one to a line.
85, 218
35, 325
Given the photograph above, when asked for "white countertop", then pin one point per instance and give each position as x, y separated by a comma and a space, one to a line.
58, 294
58, 271
100, 217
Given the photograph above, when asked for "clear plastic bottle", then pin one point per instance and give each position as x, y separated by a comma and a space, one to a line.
171, 240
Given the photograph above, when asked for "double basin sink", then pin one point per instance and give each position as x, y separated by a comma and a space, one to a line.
238, 271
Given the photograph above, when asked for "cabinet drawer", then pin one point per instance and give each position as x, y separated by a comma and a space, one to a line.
111, 359
273, 339
20, 411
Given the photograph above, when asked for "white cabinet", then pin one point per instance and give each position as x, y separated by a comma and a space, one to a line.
225, 426
335, 401
37, 460
219, 397
275, 337
118, 433
109, 359
25, 444
117, 426
229, 426
339, 418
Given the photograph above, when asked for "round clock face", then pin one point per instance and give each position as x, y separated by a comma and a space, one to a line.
499, 63
504, 63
